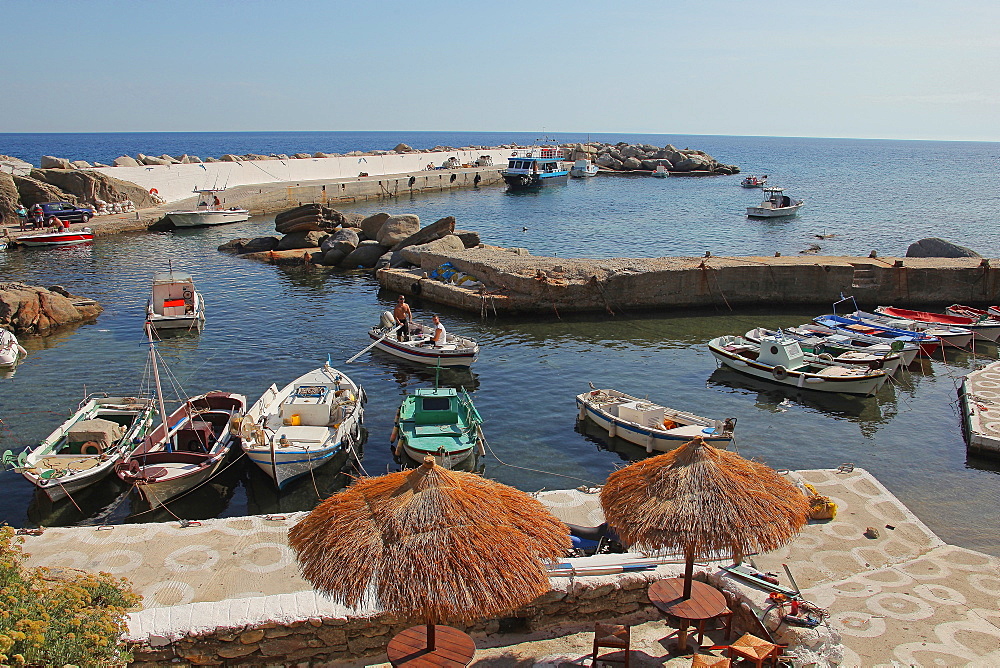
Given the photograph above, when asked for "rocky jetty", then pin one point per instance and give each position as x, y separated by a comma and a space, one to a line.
29, 309
625, 157
79, 187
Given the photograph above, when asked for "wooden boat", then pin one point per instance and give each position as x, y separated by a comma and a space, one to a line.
582, 169
650, 425
781, 360
990, 312
775, 204
11, 351
174, 303
979, 396
987, 330
535, 167
958, 337
439, 422
58, 238
289, 432
207, 212
752, 181
887, 360
186, 449
879, 333
418, 347
85, 448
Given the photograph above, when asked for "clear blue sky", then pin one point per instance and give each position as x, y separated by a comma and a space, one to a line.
888, 69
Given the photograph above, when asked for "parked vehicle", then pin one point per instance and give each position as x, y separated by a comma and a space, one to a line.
65, 211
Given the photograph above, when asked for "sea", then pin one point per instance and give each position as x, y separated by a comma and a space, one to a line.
270, 324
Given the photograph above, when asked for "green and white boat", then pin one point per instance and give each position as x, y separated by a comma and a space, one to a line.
440, 422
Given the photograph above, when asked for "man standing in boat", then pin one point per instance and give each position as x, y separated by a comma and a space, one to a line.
402, 315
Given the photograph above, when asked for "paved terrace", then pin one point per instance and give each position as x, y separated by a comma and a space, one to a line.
903, 596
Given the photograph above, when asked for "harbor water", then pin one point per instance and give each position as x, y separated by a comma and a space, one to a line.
270, 324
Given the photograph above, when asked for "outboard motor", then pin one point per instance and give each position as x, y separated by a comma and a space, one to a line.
587, 541
388, 320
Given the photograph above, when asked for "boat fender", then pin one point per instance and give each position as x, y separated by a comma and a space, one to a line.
779, 372
583, 412
876, 364
394, 435
91, 448
826, 357
481, 447
415, 288
399, 448
612, 429
649, 444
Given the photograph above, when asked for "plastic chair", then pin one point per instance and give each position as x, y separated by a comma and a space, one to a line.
755, 650
613, 636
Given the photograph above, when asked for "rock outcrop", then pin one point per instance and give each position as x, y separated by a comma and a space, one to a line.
28, 309
9, 198
125, 161
32, 191
629, 157
397, 228
935, 247
50, 162
89, 186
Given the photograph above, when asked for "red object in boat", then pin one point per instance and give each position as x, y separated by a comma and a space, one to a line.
926, 316
167, 303
60, 238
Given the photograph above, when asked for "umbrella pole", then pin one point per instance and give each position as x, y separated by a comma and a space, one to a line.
430, 636
682, 632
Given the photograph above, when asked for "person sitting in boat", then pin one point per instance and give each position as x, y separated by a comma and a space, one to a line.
440, 335
216, 203
402, 315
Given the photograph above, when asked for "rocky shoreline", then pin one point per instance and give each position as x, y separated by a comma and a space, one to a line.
34, 310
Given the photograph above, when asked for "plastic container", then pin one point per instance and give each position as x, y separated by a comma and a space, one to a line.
295, 420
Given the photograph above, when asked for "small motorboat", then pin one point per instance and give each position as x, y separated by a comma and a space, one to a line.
661, 172
174, 303
958, 337
650, 425
289, 432
878, 333
781, 360
836, 341
752, 181
62, 237
439, 422
775, 204
11, 351
186, 449
887, 360
82, 450
210, 211
582, 169
986, 330
418, 347
980, 407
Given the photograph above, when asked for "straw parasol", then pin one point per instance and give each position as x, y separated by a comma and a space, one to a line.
704, 502
430, 543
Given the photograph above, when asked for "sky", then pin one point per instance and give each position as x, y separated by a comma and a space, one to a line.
891, 69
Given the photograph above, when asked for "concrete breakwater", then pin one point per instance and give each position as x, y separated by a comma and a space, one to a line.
516, 282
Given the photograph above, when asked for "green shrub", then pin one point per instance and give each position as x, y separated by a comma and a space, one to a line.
51, 618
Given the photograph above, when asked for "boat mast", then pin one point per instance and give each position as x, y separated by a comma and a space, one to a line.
156, 380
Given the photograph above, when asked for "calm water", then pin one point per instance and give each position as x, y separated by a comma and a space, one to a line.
268, 325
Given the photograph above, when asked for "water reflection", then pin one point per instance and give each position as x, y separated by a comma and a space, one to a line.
263, 497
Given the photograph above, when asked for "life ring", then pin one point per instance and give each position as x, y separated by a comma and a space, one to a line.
91, 448
779, 372
187, 294
513, 154
154, 191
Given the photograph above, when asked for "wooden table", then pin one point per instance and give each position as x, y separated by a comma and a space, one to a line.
706, 602
452, 648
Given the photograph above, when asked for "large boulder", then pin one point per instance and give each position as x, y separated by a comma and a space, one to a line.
435, 230
28, 309
125, 161
151, 161
365, 255
694, 162
448, 245
935, 247
469, 238
296, 240
332, 257
229, 157
261, 244
631, 163
91, 186
403, 148
9, 198
352, 220
372, 224
33, 191
50, 162
345, 240
397, 228
80, 164
234, 246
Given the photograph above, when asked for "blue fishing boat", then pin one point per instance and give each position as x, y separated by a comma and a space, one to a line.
535, 167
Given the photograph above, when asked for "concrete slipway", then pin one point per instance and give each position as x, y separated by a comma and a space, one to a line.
903, 597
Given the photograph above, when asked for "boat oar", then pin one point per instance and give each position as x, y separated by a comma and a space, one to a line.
377, 341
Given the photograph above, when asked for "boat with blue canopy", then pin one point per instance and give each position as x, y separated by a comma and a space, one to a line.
535, 167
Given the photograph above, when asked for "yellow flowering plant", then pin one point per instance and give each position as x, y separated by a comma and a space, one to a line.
49, 617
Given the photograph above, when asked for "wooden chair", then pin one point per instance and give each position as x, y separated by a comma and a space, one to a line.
755, 650
727, 625
710, 661
613, 636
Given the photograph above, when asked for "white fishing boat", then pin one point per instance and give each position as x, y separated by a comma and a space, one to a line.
11, 351
775, 204
418, 346
174, 303
209, 211
958, 337
291, 431
582, 169
86, 447
781, 360
979, 396
186, 449
650, 425
827, 351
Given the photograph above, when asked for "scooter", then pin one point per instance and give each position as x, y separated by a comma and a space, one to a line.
588, 541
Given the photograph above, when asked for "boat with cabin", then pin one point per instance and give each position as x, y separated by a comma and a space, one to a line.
650, 425
582, 169
441, 422
419, 348
781, 360
291, 431
174, 303
885, 359
535, 167
210, 211
661, 172
752, 181
776, 204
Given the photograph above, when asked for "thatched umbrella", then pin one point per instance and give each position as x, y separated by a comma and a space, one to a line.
430, 543
704, 502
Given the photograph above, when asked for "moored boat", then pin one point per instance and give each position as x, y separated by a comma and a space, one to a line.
418, 346
958, 337
439, 422
582, 169
752, 181
781, 360
987, 330
535, 167
11, 351
775, 204
887, 360
880, 333
661, 172
650, 425
174, 303
289, 432
979, 396
62, 237
85, 448
990, 312
209, 211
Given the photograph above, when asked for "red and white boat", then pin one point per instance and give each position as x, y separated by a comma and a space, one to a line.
988, 330
991, 312
60, 238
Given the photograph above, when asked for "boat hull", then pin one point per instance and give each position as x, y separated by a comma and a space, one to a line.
205, 218
983, 331
56, 239
779, 212
427, 355
156, 494
524, 181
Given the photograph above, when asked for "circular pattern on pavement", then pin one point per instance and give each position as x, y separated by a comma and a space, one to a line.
191, 558
265, 557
